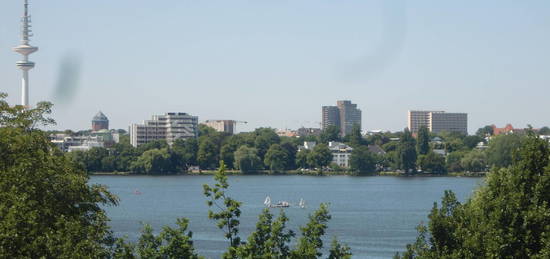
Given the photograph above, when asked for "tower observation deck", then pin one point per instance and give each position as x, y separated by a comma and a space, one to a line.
25, 49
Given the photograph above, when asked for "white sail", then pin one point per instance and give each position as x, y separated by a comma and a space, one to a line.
267, 201
302, 203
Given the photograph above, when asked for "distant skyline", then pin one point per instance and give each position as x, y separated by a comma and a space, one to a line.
275, 63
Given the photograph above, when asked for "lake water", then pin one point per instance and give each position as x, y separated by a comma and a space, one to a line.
376, 216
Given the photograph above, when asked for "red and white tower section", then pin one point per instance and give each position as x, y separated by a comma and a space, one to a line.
25, 49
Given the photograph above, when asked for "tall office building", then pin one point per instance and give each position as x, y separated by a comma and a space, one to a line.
344, 115
349, 116
169, 127
331, 116
438, 121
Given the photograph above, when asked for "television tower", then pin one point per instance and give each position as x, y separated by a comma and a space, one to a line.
25, 49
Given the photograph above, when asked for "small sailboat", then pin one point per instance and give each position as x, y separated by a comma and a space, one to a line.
267, 201
302, 204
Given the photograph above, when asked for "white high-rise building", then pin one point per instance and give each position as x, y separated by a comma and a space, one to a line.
25, 49
169, 127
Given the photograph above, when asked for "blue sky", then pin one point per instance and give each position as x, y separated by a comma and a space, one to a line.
275, 63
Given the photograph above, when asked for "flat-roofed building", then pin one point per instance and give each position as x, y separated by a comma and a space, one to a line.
417, 119
344, 116
330, 117
168, 127
450, 122
437, 121
227, 126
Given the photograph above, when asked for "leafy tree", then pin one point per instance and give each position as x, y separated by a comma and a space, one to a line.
47, 208
290, 149
187, 149
472, 141
474, 161
501, 148
423, 141
247, 160
506, 218
170, 243
432, 163
320, 156
310, 243
453, 145
544, 131
362, 160
453, 161
207, 156
265, 137
330, 133
269, 240
276, 158
301, 158
228, 210
355, 137
157, 144
486, 131
339, 251
158, 161
406, 153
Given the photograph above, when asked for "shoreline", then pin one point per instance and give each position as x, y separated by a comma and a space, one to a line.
296, 172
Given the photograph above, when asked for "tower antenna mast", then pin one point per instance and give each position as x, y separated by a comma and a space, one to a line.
25, 49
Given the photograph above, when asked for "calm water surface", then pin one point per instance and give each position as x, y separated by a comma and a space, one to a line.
375, 216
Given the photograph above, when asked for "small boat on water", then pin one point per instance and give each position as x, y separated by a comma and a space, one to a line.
282, 204
137, 192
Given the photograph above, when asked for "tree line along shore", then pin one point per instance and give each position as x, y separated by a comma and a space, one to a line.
264, 152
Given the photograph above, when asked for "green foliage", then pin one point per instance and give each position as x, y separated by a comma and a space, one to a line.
423, 141
472, 141
544, 131
362, 160
227, 210
330, 133
432, 163
20, 117
501, 148
269, 240
187, 149
47, 208
301, 158
170, 243
158, 161
406, 153
319, 157
310, 243
474, 161
247, 160
339, 251
276, 158
208, 154
355, 139
508, 217
290, 149
265, 137
486, 131
453, 161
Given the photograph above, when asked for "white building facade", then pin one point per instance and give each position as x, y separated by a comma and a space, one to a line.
341, 153
168, 127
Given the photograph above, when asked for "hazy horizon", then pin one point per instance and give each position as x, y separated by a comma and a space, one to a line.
275, 63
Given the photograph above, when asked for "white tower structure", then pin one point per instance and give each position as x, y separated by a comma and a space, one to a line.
25, 49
